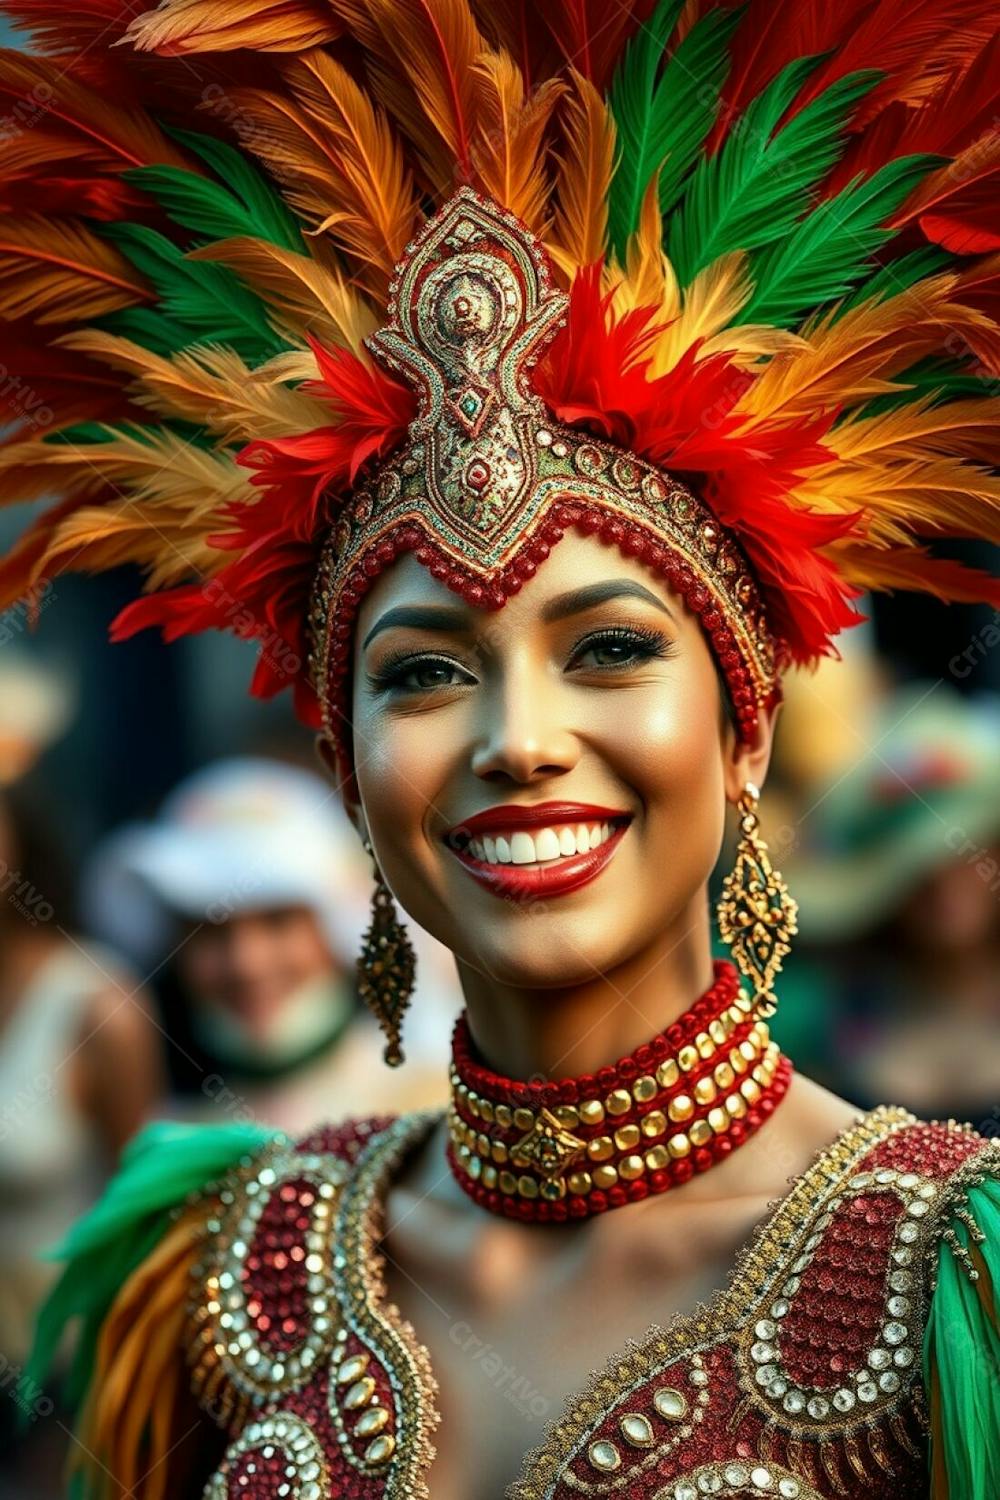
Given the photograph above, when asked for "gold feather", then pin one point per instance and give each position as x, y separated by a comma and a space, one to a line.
747, 342
304, 293
164, 498
851, 358
710, 303
580, 231
508, 151
649, 279
209, 385
179, 26
921, 429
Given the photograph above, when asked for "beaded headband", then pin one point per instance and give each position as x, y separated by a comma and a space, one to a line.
487, 483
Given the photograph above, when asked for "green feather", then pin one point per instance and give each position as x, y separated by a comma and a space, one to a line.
206, 299
758, 185
160, 1168
831, 248
899, 274
662, 120
241, 203
149, 326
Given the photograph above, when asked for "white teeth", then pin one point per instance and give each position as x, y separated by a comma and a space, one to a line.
546, 844
522, 848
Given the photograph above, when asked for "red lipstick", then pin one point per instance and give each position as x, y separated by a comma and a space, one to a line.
551, 877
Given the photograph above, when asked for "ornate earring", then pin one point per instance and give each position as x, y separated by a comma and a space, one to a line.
386, 966
756, 914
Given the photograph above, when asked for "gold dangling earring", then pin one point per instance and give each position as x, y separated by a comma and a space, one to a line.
386, 966
756, 913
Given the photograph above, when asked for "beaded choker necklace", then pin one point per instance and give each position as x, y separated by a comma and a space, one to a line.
565, 1149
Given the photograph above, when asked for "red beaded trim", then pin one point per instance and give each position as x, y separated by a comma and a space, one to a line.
588, 519
577, 1206
620, 1075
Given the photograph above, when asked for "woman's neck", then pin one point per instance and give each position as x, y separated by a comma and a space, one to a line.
539, 1034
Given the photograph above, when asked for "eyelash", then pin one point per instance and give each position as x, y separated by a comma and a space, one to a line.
646, 644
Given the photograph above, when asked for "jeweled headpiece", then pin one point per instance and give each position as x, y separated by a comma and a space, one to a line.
455, 277
486, 483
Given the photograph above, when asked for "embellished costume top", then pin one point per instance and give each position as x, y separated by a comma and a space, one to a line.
838, 1360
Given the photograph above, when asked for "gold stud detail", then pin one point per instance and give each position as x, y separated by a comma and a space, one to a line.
667, 1074
681, 1107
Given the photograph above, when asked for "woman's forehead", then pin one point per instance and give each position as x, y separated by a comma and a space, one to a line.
577, 565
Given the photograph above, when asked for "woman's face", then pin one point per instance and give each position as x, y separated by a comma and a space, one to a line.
593, 688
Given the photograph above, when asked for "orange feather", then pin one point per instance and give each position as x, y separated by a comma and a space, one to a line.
422, 70
914, 568
60, 272
580, 231
208, 385
179, 26
508, 149
851, 358
339, 162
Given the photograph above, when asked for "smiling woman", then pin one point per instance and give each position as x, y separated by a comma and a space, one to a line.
564, 381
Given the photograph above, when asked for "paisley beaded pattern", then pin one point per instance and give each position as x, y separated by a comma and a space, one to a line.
799, 1379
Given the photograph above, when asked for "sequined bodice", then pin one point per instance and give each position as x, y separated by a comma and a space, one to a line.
800, 1379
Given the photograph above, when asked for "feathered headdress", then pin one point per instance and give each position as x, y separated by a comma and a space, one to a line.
293, 286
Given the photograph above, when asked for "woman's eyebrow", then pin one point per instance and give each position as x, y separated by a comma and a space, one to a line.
599, 593
419, 617
440, 617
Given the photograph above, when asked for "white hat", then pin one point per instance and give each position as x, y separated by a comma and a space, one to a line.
240, 835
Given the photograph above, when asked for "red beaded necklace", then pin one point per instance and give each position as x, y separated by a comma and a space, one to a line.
564, 1149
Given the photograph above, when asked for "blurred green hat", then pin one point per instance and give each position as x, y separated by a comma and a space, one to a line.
925, 793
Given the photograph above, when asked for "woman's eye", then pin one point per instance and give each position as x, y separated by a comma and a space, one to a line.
620, 648
419, 675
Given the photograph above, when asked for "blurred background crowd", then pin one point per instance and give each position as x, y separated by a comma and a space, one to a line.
182, 899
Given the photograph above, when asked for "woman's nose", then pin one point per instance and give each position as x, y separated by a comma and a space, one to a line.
525, 736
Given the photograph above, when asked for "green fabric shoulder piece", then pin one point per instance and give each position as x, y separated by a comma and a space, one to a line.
160, 1168
962, 1349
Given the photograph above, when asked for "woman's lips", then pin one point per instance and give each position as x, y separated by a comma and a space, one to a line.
550, 877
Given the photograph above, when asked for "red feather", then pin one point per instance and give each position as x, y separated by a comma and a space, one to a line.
263, 593
596, 374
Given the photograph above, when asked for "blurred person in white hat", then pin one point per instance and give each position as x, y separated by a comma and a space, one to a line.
246, 902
